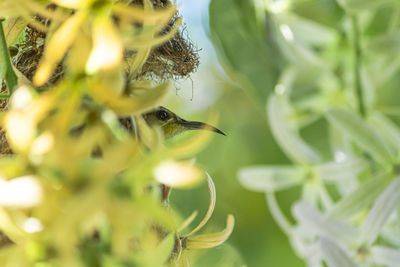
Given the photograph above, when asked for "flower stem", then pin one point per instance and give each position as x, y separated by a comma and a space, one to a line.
357, 66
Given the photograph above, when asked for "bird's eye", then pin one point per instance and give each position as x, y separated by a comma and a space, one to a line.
162, 115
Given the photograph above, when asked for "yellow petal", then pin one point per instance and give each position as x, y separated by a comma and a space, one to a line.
107, 48
150, 137
150, 41
79, 52
214, 239
211, 206
22, 98
21, 130
57, 47
126, 106
188, 221
21, 124
70, 3
11, 230
144, 16
43, 11
183, 260
137, 61
42, 144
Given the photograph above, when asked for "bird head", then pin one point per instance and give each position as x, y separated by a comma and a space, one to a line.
172, 124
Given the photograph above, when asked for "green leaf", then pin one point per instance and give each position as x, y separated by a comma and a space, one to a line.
361, 133
13, 29
353, 6
308, 31
6, 71
240, 36
384, 44
296, 38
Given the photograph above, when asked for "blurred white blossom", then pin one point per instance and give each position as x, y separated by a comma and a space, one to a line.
362, 226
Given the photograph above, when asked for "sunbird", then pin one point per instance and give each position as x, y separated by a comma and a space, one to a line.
171, 124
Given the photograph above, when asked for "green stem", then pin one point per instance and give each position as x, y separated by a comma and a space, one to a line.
357, 66
6, 69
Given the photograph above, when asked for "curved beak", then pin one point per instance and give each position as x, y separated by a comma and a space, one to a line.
196, 125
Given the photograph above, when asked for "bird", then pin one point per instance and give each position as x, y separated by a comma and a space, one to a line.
172, 125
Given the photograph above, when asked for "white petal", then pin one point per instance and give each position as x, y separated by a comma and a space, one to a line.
326, 199
107, 49
20, 192
303, 241
347, 186
391, 233
32, 225
289, 141
334, 255
363, 134
308, 31
270, 178
316, 263
317, 222
360, 199
387, 128
310, 193
386, 256
178, 174
380, 212
336, 171
341, 144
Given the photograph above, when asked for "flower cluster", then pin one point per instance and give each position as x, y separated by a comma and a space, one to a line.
348, 212
80, 189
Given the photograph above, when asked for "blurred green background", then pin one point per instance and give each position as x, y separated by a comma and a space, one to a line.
243, 53
256, 239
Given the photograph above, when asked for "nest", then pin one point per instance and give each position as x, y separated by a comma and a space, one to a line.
174, 59
30, 53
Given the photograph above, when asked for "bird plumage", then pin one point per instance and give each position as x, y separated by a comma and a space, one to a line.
171, 124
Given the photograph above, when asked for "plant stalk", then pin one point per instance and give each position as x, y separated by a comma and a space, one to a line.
6, 69
357, 67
